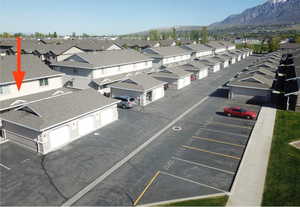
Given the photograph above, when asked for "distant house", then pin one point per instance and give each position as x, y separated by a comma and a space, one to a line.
168, 56
199, 50
229, 46
232, 58
142, 87
136, 44
47, 125
85, 69
50, 53
167, 43
198, 69
238, 55
38, 78
176, 77
214, 64
217, 47
223, 59
94, 45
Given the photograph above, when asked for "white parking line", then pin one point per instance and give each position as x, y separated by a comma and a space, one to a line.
203, 165
192, 181
7, 168
99, 179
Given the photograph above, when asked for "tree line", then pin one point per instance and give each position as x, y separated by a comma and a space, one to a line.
35, 35
270, 43
199, 36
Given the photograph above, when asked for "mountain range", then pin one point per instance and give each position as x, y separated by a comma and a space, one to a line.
271, 12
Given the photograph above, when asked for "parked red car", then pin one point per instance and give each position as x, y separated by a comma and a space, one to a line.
239, 112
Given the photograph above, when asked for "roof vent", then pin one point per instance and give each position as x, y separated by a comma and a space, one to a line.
57, 93
17, 102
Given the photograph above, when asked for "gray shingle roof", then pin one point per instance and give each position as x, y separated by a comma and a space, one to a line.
173, 73
136, 43
262, 70
194, 66
31, 64
141, 83
110, 79
198, 64
210, 61
226, 43
60, 109
170, 51
198, 47
107, 58
262, 81
14, 102
215, 45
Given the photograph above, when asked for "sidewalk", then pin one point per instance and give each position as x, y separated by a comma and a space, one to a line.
248, 187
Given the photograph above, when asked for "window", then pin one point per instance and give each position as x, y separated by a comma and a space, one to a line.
4, 90
44, 82
75, 71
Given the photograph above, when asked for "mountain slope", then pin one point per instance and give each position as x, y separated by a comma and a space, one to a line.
271, 12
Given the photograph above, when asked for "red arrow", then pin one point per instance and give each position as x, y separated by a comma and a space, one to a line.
19, 74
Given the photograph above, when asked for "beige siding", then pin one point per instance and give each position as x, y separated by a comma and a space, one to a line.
31, 87
116, 70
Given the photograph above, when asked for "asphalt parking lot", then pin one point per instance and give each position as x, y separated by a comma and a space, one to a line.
200, 159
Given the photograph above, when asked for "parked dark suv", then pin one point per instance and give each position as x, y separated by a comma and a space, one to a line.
126, 101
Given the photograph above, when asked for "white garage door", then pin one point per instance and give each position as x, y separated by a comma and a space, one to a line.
59, 137
217, 68
159, 93
106, 116
187, 81
226, 64
85, 125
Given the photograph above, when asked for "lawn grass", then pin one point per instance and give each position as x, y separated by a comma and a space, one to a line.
214, 201
282, 187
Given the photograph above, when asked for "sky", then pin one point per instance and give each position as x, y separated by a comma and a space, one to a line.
107, 17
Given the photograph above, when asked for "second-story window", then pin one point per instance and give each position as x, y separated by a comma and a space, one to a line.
4, 90
75, 71
44, 82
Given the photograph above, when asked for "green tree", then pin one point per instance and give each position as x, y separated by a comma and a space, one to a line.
174, 35
55, 35
19, 34
154, 35
166, 35
6, 35
85, 35
297, 39
273, 44
38, 35
204, 35
195, 35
